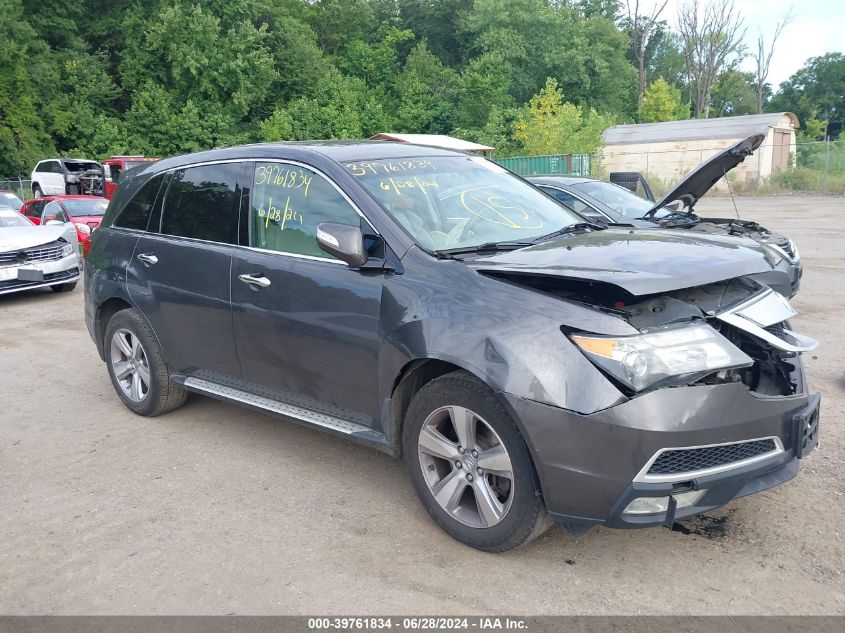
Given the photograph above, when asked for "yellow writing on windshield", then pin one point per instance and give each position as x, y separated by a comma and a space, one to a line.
398, 185
388, 167
496, 209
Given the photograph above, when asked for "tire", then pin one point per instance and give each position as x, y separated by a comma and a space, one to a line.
159, 394
36, 191
63, 287
514, 515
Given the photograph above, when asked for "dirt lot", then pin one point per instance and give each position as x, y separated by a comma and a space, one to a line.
214, 509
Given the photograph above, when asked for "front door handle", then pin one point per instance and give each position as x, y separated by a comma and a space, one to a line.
148, 259
255, 280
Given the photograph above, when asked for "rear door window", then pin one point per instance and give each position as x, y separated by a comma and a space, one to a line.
136, 214
288, 203
202, 203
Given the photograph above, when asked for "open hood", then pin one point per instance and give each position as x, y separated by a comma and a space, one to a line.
701, 179
16, 238
641, 261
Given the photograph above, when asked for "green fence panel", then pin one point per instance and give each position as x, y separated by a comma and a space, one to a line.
550, 165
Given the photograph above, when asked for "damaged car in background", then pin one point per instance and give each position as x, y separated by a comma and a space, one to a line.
527, 365
67, 176
609, 203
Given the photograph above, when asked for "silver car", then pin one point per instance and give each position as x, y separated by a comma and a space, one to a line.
36, 256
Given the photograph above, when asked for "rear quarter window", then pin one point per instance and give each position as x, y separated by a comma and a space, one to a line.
136, 214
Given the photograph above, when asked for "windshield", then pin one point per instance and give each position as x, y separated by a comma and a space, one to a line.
617, 198
81, 207
10, 217
129, 164
460, 202
8, 199
80, 165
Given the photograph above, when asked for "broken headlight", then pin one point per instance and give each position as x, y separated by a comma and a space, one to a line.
665, 357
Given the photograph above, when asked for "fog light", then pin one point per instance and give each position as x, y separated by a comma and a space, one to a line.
659, 505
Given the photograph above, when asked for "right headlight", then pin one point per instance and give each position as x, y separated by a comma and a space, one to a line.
673, 356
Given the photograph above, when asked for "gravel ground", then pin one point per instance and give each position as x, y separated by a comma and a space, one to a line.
214, 509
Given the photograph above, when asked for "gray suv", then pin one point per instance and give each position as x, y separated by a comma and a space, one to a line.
526, 364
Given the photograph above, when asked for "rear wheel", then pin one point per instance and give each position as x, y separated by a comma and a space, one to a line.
136, 366
470, 466
36, 191
63, 287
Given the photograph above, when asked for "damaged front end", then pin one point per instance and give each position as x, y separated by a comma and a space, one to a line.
716, 404
729, 331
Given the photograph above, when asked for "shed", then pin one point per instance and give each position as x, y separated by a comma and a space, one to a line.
435, 140
665, 152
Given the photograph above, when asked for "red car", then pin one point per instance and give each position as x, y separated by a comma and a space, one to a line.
86, 212
116, 165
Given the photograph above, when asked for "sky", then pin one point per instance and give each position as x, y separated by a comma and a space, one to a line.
818, 27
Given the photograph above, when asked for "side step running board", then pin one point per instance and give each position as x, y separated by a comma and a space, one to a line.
306, 417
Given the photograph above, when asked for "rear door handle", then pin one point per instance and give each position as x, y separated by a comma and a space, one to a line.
148, 259
255, 280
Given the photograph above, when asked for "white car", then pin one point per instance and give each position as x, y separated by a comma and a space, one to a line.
36, 256
67, 176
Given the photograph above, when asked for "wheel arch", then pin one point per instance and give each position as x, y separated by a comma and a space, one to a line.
105, 311
418, 373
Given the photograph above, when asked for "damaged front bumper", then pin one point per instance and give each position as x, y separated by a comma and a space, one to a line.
592, 467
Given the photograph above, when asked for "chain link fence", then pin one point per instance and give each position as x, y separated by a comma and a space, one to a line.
774, 168
21, 187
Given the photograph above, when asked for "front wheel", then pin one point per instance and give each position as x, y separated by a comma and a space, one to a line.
470, 466
36, 192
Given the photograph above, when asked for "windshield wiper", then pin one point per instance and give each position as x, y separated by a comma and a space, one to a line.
570, 228
486, 247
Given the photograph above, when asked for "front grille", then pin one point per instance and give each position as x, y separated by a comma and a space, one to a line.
687, 460
45, 253
777, 330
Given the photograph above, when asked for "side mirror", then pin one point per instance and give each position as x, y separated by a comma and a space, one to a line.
343, 241
53, 223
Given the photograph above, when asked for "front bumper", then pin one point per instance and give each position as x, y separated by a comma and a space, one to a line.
58, 271
589, 464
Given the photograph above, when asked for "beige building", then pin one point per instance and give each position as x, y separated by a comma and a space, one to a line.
665, 152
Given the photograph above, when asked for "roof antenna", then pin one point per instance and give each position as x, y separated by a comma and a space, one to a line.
730, 191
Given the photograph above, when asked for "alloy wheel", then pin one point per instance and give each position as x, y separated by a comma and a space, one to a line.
130, 365
466, 466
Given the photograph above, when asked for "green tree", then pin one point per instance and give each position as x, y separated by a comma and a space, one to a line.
662, 102
340, 108
817, 90
733, 94
426, 91
193, 56
549, 125
482, 88
23, 139
437, 22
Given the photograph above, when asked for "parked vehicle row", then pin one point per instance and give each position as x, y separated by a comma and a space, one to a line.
525, 362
